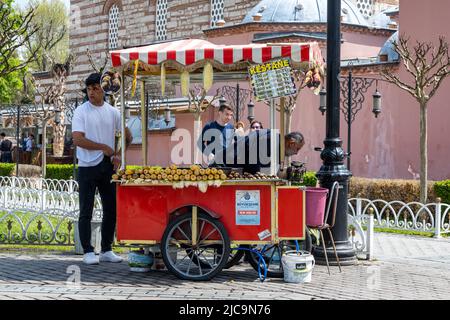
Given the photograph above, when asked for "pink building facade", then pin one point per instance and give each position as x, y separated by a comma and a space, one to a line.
386, 147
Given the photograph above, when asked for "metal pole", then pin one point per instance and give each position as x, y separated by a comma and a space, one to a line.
17, 139
143, 125
237, 102
273, 139
333, 168
122, 122
349, 118
75, 149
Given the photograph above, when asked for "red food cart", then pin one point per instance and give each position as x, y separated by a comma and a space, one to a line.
196, 229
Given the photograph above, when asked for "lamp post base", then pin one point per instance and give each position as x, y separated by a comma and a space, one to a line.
345, 252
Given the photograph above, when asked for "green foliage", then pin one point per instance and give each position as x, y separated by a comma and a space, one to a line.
310, 179
388, 189
10, 85
59, 171
6, 169
14, 30
442, 190
51, 41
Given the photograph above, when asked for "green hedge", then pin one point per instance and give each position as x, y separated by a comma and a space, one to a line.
54, 171
442, 190
6, 169
60, 171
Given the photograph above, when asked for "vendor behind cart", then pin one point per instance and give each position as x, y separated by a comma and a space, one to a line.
252, 152
217, 135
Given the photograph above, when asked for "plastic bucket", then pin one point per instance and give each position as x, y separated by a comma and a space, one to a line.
140, 262
316, 199
297, 266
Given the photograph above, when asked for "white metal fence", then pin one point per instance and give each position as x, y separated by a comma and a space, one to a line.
39, 183
40, 211
398, 215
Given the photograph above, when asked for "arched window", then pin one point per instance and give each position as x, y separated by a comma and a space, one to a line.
113, 27
365, 7
216, 11
161, 20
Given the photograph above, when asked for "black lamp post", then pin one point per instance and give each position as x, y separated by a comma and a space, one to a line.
17, 139
333, 168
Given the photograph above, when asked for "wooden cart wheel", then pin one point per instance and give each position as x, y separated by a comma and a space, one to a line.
195, 258
272, 255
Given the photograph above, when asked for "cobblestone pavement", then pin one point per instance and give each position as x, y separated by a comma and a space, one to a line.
406, 268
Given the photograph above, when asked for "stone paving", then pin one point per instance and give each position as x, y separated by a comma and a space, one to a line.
405, 268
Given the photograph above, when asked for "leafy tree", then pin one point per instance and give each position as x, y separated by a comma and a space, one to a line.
15, 30
51, 42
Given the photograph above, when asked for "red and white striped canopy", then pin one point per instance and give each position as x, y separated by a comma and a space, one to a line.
190, 51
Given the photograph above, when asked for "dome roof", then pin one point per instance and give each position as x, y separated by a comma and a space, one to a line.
388, 49
380, 20
304, 11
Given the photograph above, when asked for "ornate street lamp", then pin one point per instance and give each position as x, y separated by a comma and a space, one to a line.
323, 101
353, 97
333, 168
222, 101
167, 115
251, 111
376, 103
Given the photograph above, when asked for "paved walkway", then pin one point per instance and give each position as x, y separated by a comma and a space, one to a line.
406, 268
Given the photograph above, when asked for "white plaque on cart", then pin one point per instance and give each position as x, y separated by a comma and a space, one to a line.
248, 211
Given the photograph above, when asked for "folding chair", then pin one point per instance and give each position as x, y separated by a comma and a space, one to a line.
332, 205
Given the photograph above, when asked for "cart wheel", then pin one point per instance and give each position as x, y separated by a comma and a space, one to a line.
201, 261
272, 255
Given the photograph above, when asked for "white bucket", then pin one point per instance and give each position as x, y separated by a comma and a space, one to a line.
297, 266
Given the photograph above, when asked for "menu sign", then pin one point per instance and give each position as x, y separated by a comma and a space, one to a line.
272, 80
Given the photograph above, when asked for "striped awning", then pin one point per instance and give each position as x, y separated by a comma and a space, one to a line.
190, 51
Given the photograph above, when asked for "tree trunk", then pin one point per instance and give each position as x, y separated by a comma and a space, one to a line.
423, 153
59, 133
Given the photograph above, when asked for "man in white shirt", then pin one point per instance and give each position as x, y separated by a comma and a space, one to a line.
94, 126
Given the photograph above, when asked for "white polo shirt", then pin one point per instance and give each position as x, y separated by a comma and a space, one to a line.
99, 124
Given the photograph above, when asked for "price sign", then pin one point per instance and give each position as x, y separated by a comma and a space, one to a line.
272, 80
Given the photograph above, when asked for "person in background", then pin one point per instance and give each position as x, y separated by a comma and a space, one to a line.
239, 129
255, 125
5, 148
29, 148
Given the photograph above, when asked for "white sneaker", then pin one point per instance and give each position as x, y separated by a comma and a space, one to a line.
110, 256
90, 258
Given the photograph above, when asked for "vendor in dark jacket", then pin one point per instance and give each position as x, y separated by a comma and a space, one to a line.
253, 151
217, 135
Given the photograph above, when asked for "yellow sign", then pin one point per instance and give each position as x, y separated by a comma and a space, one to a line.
274, 65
